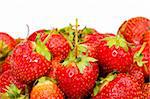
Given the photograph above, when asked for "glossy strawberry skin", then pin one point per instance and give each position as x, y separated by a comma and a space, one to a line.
46, 90
113, 58
122, 87
57, 44
92, 41
134, 29
7, 78
74, 84
28, 65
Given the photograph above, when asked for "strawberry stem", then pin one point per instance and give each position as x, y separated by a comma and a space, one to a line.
76, 38
28, 30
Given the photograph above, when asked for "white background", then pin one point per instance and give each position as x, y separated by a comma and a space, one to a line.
104, 15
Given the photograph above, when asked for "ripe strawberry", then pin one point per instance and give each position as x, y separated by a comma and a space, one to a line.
117, 86
137, 73
78, 73
76, 83
56, 43
32, 37
30, 60
7, 78
134, 29
146, 90
46, 89
141, 58
7, 43
114, 54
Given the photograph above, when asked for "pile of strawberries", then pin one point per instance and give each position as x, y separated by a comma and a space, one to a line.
77, 63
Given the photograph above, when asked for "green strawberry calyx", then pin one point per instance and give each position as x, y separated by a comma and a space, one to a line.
116, 41
4, 50
41, 48
68, 33
138, 56
103, 82
12, 92
77, 55
44, 79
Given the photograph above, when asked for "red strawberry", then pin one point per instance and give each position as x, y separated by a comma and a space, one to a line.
7, 43
32, 37
46, 89
146, 90
141, 58
30, 60
7, 78
114, 54
120, 86
56, 43
134, 29
76, 83
78, 73
137, 73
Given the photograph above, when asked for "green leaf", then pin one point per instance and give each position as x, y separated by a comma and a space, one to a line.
116, 41
87, 30
12, 92
42, 49
47, 31
69, 59
82, 48
85, 61
96, 90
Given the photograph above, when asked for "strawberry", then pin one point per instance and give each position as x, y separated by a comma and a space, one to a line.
114, 54
77, 74
134, 29
76, 83
56, 43
30, 60
7, 78
117, 86
7, 43
141, 58
46, 89
32, 37
146, 90
137, 73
